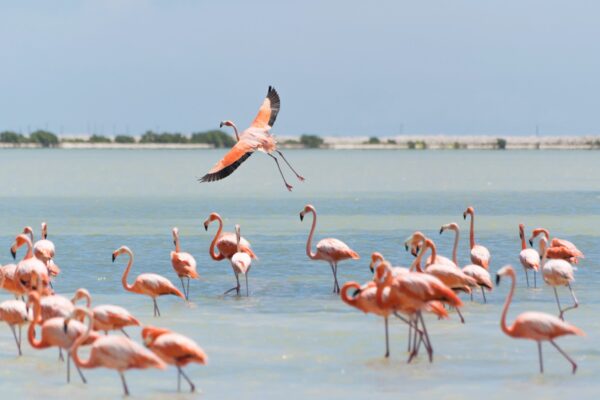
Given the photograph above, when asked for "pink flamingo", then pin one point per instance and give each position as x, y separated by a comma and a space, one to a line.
557, 272
184, 264
416, 243
240, 262
530, 258
330, 249
559, 248
174, 349
107, 317
9, 283
14, 313
227, 244
114, 352
480, 274
535, 325
55, 333
44, 250
28, 266
152, 285
480, 255
256, 137
377, 258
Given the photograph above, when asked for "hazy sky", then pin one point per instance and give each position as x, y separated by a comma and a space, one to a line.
341, 67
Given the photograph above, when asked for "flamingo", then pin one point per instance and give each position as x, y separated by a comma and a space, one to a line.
412, 293
9, 283
28, 266
535, 325
55, 333
184, 264
530, 258
256, 137
417, 242
240, 262
152, 285
557, 272
480, 255
14, 313
44, 250
377, 258
330, 249
174, 349
480, 274
114, 352
559, 248
226, 243
107, 317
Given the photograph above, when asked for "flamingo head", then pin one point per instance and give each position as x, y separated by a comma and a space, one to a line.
238, 235
44, 230
307, 208
28, 231
469, 210
376, 258
521, 231
20, 240
453, 226
212, 217
226, 123
414, 242
175, 235
119, 251
504, 271
82, 293
150, 333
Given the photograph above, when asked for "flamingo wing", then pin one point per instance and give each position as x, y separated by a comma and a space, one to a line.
267, 113
178, 349
232, 160
530, 258
335, 248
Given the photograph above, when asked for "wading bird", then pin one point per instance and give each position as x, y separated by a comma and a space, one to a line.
174, 349
184, 264
255, 138
535, 325
330, 250
530, 258
152, 285
114, 352
480, 255
14, 313
107, 317
240, 262
28, 266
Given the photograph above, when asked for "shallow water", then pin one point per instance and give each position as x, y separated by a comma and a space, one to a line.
292, 337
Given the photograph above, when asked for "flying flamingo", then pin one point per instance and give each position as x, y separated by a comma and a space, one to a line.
227, 244
412, 293
174, 349
480, 274
535, 325
152, 285
184, 264
28, 266
256, 137
530, 258
559, 248
114, 352
240, 262
55, 333
107, 317
330, 249
14, 313
480, 255
557, 272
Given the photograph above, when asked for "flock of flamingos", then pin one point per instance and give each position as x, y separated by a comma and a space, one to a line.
429, 285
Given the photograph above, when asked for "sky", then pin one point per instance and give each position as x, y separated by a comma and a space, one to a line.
341, 67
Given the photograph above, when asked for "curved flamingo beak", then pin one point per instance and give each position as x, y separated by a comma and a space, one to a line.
497, 280
301, 217
206, 226
356, 292
114, 257
464, 215
13, 253
221, 124
441, 230
531, 242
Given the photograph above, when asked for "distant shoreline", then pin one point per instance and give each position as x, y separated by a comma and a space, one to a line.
422, 142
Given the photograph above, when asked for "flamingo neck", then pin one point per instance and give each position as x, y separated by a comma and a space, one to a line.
387, 282
472, 231
29, 253
126, 286
350, 300
523, 244
508, 329
455, 248
73, 350
416, 265
37, 318
543, 245
212, 252
235, 129
309, 252
177, 243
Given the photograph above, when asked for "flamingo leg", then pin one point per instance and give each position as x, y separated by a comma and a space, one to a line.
18, 343
236, 288
565, 355
540, 357
483, 293
125, 388
534, 279
178, 379
526, 276
387, 338
183, 287
300, 178
410, 331
247, 292
337, 285
471, 295
333, 273
156, 310
189, 381
560, 310
462, 319
123, 332
427, 342
415, 349
68, 367
575, 302
187, 296
287, 185
80, 373
60, 355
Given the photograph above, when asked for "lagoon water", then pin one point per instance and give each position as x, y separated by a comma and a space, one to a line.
292, 338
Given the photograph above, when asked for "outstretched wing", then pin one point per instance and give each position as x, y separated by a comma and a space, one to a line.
225, 167
267, 113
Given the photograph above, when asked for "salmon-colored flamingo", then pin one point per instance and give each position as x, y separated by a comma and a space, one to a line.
28, 266
44, 250
412, 293
9, 282
55, 333
480, 274
559, 248
107, 317
152, 285
227, 244
255, 138
417, 242
184, 264
480, 255
377, 258
240, 262
14, 313
114, 352
535, 325
530, 258
174, 349
330, 250
557, 272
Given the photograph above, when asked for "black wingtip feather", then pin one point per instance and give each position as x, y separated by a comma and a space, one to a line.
225, 172
273, 97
